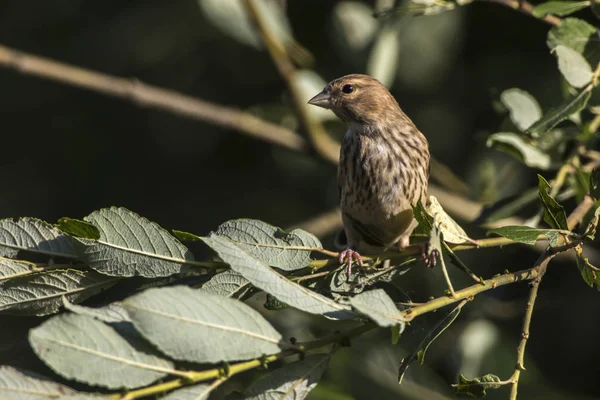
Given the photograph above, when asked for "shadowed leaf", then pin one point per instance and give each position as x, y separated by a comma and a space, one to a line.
554, 213
526, 234
477, 387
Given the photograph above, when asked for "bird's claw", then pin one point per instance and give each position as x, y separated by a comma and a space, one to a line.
429, 257
349, 255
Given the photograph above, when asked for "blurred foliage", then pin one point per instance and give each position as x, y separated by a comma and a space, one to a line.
500, 96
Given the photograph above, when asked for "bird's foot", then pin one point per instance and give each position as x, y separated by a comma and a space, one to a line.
349, 255
429, 257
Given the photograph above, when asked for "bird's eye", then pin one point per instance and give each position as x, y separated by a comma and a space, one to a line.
348, 89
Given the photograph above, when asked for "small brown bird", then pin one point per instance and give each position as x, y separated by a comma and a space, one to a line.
383, 168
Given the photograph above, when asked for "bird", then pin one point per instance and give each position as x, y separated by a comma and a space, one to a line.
383, 168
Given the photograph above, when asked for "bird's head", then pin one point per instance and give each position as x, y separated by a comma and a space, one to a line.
357, 98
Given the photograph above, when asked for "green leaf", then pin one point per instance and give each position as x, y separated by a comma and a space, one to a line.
596, 8
526, 234
67, 342
378, 306
589, 273
574, 67
269, 244
130, 245
523, 108
477, 387
520, 147
24, 385
570, 106
195, 392
78, 228
36, 236
419, 351
41, 293
111, 313
560, 8
266, 278
227, 284
10, 269
396, 332
578, 35
554, 213
293, 381
186, 236
191, 325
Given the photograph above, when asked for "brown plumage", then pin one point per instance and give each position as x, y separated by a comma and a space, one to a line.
384, 164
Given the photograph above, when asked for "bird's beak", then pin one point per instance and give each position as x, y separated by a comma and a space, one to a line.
321, 100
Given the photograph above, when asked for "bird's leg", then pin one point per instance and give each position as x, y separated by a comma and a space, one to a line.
349, 255
429, 257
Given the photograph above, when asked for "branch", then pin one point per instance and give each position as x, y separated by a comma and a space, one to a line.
151, 96
526, 7
193, 377
327, 148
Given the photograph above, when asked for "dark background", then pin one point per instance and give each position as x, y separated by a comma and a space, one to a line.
67, 152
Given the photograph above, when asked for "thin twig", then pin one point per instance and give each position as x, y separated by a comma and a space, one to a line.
526, 8
151, 96
328, 148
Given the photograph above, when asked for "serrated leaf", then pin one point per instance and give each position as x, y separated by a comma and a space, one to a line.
419, 351
554, 213
196, 392
378, 306
574, 67
523, 108
291, 382
175, 318
477, 387
68, 341
266, 278
526, 234
227, 284
40, 293
560, 8
24, 385
78, 228
10, 269
36, 236
570, 106
269, 244
521, 148
130, 245
111, 313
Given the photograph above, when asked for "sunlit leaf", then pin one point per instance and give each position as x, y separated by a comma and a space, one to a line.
36, 236
378, 306
131, 245
285, 250
523, 108
68, 341
560, 8
192, 325
41, 293
526, 234
574, 67
25, 385
266, 278
521, 148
